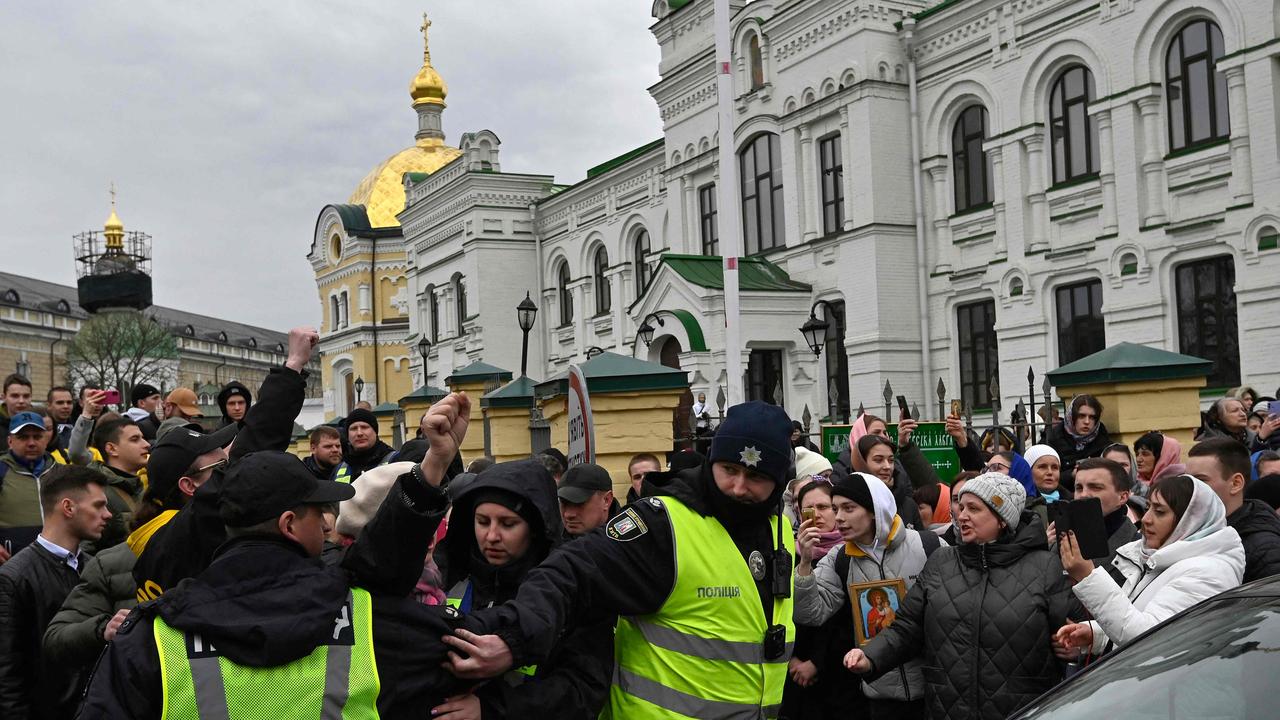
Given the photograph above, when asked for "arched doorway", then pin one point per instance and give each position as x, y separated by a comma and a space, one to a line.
681, 428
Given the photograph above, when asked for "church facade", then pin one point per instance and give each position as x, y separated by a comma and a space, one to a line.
963, 190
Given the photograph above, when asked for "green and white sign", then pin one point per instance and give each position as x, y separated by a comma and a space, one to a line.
930, 437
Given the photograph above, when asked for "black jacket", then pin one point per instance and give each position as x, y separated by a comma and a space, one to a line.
185, 545
362, 460
1061, 441
148, 425
320, 472
982, 617
574, 678
631, 568
33, 585
263, 602
1259, 530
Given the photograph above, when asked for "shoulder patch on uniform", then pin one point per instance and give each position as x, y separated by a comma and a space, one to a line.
654, 502
626, 526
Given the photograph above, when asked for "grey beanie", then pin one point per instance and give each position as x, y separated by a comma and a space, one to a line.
1005, 496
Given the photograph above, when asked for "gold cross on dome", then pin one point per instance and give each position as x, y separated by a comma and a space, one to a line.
113, 193
426, 48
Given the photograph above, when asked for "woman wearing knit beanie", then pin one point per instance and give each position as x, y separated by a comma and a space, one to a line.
981, 614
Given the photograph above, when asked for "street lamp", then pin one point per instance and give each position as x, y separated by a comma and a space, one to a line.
815, 330
594, 350
424, 348
526, 311
645, 331
359, 387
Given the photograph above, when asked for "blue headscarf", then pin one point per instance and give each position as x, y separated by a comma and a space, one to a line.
1020, 470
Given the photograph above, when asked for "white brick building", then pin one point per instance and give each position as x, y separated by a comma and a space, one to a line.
1077, 173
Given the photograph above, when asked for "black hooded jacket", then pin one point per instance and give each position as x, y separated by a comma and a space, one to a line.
263, 602
598, 575
235, 387
185, 545
574, 679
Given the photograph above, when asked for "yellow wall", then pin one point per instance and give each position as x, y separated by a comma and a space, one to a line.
1132, 409
473, 443
626, 423
508, 433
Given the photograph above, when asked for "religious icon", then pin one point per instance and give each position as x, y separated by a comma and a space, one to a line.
875, 607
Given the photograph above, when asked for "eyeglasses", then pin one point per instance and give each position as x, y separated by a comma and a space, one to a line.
221, 462
997, 467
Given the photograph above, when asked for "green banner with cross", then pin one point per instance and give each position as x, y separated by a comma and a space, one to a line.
930, 437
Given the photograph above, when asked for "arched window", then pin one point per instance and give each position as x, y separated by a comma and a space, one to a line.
757, 62
1195, 90
639, 253
565, 295
599, 264
1072, 131
969, 165
460, 292
761, 165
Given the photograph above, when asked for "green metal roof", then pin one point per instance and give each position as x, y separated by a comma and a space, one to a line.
353, 217
697, 342
517, 393
1129, 362
624, 158
611, 372
426, 392
754, 273
386, 408
478, 371
677, 4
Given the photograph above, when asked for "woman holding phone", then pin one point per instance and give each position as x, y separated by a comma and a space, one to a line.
1187, 553
814, 687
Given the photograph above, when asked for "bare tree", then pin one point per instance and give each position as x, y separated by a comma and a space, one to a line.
120, 349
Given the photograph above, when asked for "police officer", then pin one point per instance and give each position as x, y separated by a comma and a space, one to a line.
700, 574
268, 631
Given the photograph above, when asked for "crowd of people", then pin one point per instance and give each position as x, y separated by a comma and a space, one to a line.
155, 563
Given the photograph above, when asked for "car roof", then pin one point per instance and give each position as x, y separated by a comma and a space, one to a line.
1266, 587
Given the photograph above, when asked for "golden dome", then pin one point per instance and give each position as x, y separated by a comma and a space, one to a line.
427, 86
113, 222
381, 192
113, 228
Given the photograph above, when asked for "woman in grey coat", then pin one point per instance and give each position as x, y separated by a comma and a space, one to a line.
878, 546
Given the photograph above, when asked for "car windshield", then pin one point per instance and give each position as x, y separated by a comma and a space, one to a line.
1220, 662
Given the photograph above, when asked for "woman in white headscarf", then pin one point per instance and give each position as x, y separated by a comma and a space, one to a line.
1187, 553
1046, 473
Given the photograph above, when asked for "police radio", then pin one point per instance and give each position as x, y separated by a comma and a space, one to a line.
782, 565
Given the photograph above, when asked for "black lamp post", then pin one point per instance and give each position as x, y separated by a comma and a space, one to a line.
526, 311
424, 348
359, 387
815, 330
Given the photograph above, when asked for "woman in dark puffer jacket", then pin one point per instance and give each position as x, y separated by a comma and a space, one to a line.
981, 614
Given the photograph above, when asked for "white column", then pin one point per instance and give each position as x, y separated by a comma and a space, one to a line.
1241, 161
1038, 231
578, 291
811, 223
846, 162
619, 308
937, 169
689, 213
1000, 244
1152, 162
1107, 171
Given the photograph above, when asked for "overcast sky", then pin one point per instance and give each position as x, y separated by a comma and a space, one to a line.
227, 126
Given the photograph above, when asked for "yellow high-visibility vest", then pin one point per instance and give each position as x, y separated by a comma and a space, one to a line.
702, 654
337, 681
